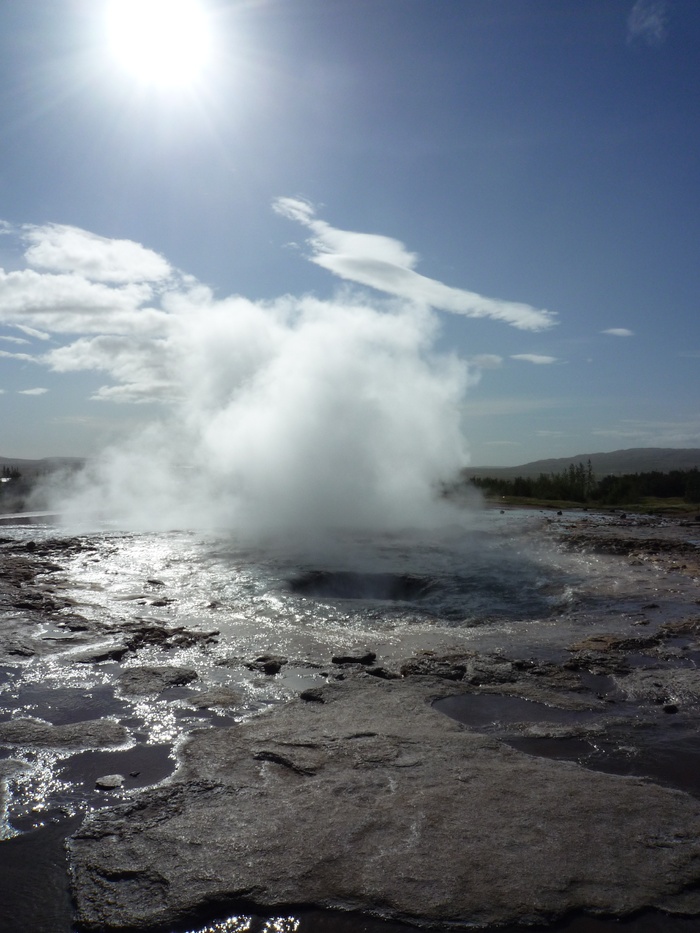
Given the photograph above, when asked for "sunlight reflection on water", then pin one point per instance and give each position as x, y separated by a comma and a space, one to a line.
498, 586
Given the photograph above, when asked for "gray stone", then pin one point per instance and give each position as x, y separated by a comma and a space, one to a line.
217, 696
142, 680
112, 651
267, 664
662, 685
372, 800
109, 781
94, 733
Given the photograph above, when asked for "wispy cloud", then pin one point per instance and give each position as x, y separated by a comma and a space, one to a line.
654, 433
648, 22
537, 358
618, 332
37, 391
385, 264
33, 332
18, 340
5, 354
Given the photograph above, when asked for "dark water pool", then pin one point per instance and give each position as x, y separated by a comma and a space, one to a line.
663, 748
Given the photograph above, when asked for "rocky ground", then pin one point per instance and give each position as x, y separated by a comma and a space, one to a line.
457, 789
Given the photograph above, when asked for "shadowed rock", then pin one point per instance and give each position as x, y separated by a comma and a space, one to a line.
372, 800
142, 680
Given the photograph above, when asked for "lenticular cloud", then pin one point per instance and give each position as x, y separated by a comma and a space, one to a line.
295, 416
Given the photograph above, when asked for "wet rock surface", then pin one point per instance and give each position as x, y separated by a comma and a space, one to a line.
360, 794
137, 680
371, 799
96, 733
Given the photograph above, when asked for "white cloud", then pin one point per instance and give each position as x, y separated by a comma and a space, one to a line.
19, 340
648, 22
618, 332
60, 248
537, 358
383, 263
5, 354
32, 332
37, 391
640, 433
69, 303
141, 367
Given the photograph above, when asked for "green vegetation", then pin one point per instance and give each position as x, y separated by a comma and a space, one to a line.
579, 485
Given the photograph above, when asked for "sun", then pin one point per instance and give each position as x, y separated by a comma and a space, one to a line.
160, 42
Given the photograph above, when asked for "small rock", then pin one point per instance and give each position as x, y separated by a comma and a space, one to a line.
267, 664
383, 673
111, 652
109, 781
369, 657
137, 680
312, 695
219, 696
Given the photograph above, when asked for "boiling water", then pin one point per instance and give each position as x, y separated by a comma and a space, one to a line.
497, 582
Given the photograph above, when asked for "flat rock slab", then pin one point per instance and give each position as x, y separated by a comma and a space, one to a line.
369, 799
95, 733
143, 680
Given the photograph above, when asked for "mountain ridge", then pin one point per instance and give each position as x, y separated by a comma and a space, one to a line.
608, 463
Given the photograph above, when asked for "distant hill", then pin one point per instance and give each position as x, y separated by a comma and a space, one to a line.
46, 465
613, 463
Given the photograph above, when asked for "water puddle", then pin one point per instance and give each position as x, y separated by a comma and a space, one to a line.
343, 584
64, 705
662, 748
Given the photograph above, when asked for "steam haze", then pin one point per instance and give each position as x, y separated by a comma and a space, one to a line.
302, 416
292, 417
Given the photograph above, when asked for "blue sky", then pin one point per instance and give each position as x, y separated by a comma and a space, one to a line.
527, 170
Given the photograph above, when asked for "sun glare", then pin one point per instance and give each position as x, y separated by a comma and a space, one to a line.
162, 42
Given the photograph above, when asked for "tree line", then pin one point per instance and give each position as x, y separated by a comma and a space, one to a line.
578, 483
